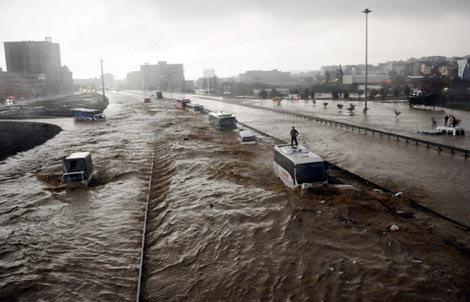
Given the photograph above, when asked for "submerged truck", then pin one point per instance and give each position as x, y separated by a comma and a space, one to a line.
78, 169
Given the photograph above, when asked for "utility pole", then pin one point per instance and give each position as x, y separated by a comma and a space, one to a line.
366, 11
102, 80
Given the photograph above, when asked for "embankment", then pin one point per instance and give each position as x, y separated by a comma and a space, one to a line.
21, 136
58, 107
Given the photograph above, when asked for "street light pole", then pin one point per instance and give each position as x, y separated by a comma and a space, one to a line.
366, 11
102, 80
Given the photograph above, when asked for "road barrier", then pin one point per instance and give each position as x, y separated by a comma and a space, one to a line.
366, 130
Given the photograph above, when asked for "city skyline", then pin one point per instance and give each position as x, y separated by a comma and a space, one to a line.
236, 37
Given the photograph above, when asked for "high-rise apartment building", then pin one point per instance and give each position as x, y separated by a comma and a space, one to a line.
162, 76
35, 57
28, 58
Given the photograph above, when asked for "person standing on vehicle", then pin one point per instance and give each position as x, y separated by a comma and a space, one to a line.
293, 137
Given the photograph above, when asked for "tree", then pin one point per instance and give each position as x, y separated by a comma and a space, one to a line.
274, 93
327, 77
382, 92
339, 76
215, 83
334, 94
406, 90
211, 85
360, 92
263, 94
373, 93
306, 94
204, 84
312, 93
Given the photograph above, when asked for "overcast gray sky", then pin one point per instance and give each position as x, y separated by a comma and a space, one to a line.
238, 35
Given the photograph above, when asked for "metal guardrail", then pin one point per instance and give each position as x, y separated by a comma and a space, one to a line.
407, 139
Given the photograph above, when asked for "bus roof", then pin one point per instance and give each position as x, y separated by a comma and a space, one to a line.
78, 155
221, 114
298, 155
85, 110
246, 133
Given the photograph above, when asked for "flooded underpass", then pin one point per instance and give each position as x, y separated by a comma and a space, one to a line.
221, 227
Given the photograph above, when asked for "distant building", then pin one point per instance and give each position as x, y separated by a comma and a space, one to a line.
266, 76
349, 79
162, 76
39, 58
134, 80
463, 71
329, 69
281, 91
36, 57
426, 69
21, 85
208, 73
226, 88
91, 84
189, 85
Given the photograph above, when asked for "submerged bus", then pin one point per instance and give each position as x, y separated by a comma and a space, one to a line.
296, 166
222, 120
195, 108
182, 103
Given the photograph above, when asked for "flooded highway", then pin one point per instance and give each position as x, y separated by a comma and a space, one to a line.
86, 240
438, 180
221, 226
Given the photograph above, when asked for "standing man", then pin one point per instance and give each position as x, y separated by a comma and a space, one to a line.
293, 137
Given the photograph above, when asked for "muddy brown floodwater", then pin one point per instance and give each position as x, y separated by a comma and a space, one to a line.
221, 227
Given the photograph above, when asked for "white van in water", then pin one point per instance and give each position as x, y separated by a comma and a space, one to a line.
296, 166
78, 168
246, 137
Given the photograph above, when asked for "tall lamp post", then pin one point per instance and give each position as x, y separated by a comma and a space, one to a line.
366, 11
102, 80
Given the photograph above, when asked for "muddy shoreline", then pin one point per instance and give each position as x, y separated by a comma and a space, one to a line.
17, 137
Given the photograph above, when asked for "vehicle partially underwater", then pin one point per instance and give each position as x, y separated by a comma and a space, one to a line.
222, 120
246, 137
78, 169
182, 103
85, 114
296, 166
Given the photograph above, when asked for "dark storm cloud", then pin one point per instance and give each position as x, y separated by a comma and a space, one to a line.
234, 36
310, 8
